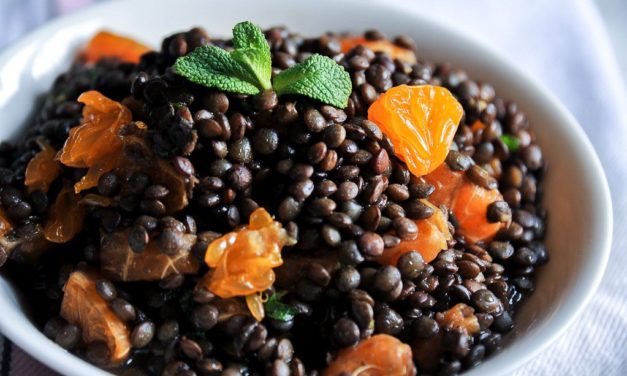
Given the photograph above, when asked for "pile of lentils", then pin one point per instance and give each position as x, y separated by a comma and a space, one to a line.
328, 175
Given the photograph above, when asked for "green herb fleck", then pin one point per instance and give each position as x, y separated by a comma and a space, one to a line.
276, 309
318, 77
512, 142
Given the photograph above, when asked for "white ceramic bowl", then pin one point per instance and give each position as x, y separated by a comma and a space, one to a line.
577, 195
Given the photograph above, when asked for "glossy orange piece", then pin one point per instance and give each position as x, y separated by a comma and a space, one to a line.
420, 121
107, 44
381, 45
5, 224
254, 302
65, 217
42, 169
433, 235
460, 317
95, 143
379, 355
244, 259
468, 202
84, 307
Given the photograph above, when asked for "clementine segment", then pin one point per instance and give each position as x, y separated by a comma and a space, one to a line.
95, 143
42, 169
420, 121
84, 307
460, 317
244, 259
379, 355
381, 45
5, 224
468, 201
65, 217
433, 235
107, 44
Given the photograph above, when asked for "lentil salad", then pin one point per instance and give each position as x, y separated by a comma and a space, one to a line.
207, 159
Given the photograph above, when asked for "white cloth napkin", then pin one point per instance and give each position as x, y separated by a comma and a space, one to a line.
564, 43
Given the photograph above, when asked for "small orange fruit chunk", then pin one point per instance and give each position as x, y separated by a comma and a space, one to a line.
95, 143
254, 302
5, 224
84, 307
107, 44
420, 121
42, 169
65, 217
244, 259
468, 201
381, 45
379, 355
433, 235
460, 317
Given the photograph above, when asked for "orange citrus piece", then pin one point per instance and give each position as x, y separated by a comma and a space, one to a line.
244, 259
95, 143
433, 235
84, 307
254, 302
381, 45
460, 317
65, 217
5, 224
42, 169
420, 121
107, 44
468, 201
379, 355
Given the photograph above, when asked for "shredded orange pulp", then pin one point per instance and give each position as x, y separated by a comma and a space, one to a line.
243, 260
65, 216
107, 44
42, 169
95, 143
420, 121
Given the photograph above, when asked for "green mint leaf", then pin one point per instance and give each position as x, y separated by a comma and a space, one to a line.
318, 77
214, 67
277, 310
512, 142
252, 50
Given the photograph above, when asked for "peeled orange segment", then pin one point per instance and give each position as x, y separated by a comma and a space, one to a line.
5, 224
460, 317
433, 235
254, 302
120, 263
244, 259
84, 307
379, 355
420, 121
107, 44
65, 216
95, 144
468, 201
381, 45
42, 169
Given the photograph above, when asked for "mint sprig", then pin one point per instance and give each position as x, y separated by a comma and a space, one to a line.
277, 310
318, 77
248, 70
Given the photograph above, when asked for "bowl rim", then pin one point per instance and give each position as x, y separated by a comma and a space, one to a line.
58, 359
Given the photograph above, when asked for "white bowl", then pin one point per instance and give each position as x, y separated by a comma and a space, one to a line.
577, 195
